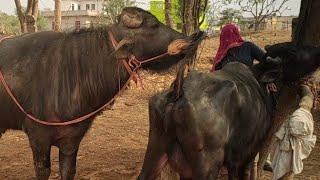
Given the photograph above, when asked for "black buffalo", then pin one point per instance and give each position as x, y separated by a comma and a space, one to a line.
61, 76
209, 120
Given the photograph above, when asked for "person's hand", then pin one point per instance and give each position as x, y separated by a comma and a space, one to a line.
271, 87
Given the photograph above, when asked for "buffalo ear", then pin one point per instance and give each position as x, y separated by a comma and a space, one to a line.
270, 76
131, 18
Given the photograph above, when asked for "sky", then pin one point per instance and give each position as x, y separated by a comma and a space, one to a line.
8, 6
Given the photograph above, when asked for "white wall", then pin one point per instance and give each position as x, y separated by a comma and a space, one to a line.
98, 4
68, 23
66, 5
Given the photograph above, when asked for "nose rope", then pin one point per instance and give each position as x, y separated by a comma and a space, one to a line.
132, 64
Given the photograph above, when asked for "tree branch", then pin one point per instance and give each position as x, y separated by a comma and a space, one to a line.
204, 12
29, 7
35, 9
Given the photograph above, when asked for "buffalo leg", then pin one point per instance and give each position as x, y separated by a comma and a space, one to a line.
68, 151
155, 160
67, 164
203, 169
41, 159
156, 157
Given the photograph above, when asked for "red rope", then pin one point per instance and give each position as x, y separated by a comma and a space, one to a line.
131, 66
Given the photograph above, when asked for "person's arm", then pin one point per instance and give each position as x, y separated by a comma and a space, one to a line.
257, 53
307, 97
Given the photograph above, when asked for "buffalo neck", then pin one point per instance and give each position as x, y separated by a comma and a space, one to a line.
81, 75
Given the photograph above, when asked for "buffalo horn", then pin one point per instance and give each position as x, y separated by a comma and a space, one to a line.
132, 20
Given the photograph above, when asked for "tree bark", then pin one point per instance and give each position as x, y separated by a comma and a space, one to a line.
168, 17
307, 31
256, 25
188, 24
32, 15
57, 15
191, 12
21, 16
28, 19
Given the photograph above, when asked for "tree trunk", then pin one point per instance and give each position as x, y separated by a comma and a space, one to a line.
188, 18
306, 30
32, 15
29, 18
256, 25
21, 16
57, 15
168, 17
191, 11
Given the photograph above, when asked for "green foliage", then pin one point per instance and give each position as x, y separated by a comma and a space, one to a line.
112, 8
229, 16
176, 13
42, 23
9, 24
157, 8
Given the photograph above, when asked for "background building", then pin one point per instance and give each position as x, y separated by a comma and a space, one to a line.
76, 14
270, 23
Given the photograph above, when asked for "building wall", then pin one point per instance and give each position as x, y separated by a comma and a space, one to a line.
279, 23
75, 11
272, 23
66, 5
69, 22
98, 4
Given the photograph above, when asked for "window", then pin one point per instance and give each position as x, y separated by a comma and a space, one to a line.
52, 25
93, 7
77, 25
72, 7
87, 6
79, 7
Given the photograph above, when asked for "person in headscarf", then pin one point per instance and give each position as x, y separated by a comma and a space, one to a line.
234, 48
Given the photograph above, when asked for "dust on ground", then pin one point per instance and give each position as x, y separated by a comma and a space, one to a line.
114, 147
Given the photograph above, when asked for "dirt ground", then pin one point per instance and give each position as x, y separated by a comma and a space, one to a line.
114, 147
